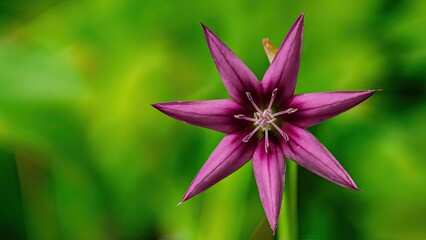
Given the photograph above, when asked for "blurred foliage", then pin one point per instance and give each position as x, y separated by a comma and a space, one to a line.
83, 155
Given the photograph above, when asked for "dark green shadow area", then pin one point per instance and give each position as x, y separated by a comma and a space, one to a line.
12, 224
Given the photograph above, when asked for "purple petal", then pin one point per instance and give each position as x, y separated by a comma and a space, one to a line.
313, 108
269, 169
217, 115
282, 73
236, 76
309, 153
231, 154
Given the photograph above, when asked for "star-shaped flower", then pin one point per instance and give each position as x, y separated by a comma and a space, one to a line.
265, 122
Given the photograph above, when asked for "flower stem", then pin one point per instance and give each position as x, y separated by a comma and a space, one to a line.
287, 227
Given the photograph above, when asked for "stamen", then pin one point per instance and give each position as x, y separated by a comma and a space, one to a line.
287, 111
274, 94
247, 138
241, 116
266, 141
250, 98
264, 119
285, 136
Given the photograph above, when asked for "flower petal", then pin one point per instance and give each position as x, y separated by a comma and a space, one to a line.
231, 154
309, 153
313, 108
217, 115
269, 169
236, 76
282, 73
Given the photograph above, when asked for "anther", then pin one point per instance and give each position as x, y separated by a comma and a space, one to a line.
291, 110
285, 136
287, 111
274, 94
266, 141
242, 117
250, 98
247, 138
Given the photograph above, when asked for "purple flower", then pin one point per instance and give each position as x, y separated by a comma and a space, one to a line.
265, 122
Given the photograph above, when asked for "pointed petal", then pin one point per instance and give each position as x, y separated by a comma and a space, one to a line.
313, 108
231, 154
217, 115
269, 170
282, 73
309, 153
236, 76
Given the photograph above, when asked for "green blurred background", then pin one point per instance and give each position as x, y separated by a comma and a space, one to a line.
84, 156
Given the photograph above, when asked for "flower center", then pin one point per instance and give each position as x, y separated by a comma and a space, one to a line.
265, 120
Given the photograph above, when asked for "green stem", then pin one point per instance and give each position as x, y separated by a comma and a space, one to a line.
287, 227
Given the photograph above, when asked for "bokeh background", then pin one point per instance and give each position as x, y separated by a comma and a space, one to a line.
83, 155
